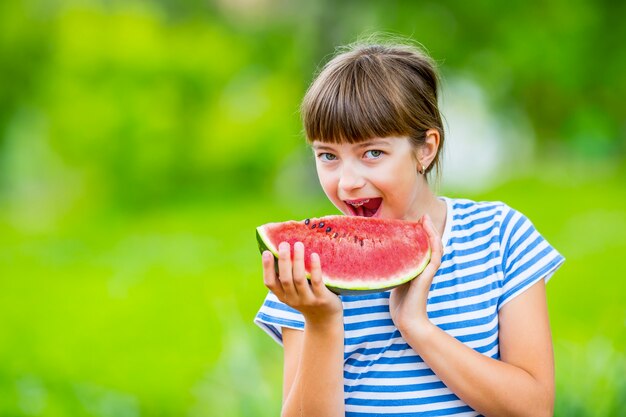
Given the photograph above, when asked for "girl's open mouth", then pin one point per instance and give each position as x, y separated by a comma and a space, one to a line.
365, 207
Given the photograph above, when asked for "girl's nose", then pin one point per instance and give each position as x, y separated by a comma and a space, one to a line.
350, 179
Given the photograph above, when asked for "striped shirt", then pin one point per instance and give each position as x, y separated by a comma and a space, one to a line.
492, 253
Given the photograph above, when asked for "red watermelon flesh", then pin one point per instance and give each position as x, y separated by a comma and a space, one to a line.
358, 254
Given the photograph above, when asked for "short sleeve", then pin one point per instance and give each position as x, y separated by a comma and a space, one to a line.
274, 315
526, 256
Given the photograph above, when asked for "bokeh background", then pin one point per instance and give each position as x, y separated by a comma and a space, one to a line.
141, 142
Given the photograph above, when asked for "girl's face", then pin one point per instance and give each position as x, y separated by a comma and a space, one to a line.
375, 178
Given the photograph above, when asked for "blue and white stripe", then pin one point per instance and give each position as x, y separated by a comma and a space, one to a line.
492, 253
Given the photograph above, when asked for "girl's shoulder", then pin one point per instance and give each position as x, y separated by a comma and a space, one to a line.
503, 240
465, 204
477, 222
464, 212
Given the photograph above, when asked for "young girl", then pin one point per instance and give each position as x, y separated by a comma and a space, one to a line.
470, 334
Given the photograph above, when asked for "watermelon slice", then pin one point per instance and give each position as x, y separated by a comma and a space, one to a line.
358, 254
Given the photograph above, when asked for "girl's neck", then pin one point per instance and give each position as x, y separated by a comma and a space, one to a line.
435, 207
439, 215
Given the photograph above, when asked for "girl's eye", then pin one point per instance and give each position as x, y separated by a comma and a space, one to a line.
325, 156
374, 153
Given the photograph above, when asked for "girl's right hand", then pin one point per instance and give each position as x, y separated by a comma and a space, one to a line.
290, 285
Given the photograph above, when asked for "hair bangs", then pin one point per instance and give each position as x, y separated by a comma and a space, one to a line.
352, 103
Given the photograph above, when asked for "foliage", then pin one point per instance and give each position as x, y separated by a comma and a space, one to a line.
136, 101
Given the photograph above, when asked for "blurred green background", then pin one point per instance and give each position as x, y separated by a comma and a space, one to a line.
141, 143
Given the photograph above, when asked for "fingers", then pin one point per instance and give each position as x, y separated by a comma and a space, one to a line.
317, 284
269, 274
285, 271
290, 285
300, 282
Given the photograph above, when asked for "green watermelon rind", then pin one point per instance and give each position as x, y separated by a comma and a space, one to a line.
342, 287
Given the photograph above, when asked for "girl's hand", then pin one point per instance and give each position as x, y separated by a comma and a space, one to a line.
314, 300
407, 303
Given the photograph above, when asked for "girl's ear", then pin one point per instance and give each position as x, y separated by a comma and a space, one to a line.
428, 151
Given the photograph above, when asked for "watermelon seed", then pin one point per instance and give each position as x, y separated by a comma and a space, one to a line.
361, 240
335, 234
307, 221
314, 226
328, 229
321, 224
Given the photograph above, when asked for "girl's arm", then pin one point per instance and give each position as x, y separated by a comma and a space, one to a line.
313, 374
520, 384
313, 364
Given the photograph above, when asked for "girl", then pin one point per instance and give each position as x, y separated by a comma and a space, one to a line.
470, 335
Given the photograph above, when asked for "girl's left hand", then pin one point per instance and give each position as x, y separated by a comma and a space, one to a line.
407, 303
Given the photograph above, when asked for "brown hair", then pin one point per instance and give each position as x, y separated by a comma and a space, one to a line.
374, 90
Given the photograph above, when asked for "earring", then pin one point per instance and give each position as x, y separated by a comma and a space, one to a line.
423, 170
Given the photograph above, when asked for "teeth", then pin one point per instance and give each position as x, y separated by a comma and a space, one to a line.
359, 203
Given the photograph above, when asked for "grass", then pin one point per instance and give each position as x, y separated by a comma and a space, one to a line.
150, 314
